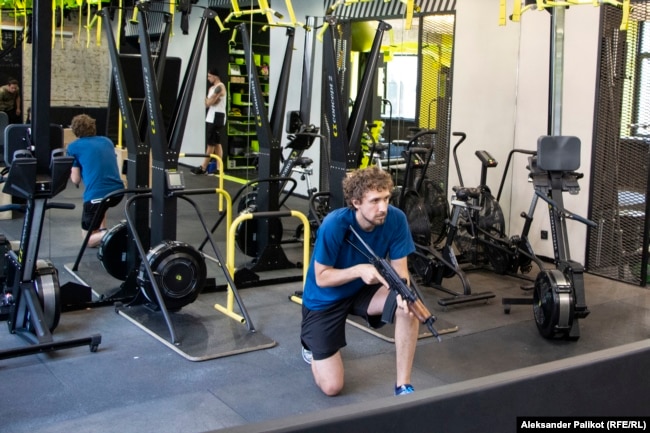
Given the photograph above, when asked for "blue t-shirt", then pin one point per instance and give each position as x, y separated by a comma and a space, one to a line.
96, 157
390, 240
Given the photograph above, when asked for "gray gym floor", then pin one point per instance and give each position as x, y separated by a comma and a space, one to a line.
136, 383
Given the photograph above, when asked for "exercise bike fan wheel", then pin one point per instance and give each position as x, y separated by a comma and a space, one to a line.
553, 304
492, 224
417, 218
180, 272
437, 206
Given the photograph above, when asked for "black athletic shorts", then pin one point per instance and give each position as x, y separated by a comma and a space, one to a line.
212, 133
90, 209
323, 332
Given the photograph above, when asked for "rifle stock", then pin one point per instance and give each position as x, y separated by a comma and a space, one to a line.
398, 285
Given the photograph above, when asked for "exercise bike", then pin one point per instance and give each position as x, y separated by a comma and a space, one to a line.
559, 296
433, 264
424, 208
482, 240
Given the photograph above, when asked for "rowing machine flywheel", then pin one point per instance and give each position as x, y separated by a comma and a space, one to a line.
48, 291
180, 273
246, 235
553, 304
113, 250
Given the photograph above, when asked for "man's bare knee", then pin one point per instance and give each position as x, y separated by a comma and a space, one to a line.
330, 388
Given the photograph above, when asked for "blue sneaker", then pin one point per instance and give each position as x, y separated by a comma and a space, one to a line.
306, 356
404, 389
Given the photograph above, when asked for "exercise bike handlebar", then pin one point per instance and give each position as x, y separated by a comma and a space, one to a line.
12, 207
23, 207
565, 212
464, 193
462, 138
52, 205
508, 161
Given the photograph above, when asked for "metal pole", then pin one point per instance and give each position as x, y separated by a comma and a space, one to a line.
556, 69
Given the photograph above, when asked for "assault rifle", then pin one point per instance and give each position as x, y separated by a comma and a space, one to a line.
397, 284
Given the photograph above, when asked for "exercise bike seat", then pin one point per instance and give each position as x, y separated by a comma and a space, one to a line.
303, 162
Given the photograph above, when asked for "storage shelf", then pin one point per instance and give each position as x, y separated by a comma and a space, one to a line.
241, 128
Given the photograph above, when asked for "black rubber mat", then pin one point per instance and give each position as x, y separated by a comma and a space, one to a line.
201, 332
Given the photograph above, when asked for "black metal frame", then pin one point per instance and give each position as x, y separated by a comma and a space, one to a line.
512, 248
345, 133
270, 182
44, 174
550, 182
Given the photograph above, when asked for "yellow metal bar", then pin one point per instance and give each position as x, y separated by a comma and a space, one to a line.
172, 12
224, 194
235, 8
80, 13
503, 12
516, 11
98, 32
545, 4
219, 23
266, 10
292, 15
306, 234
88, 25
322, 31
228, 310
230, 254
230, 248
134, 16
53, 23
409, 14
220, 176
229, 313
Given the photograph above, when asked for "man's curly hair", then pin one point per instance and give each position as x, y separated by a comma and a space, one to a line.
83, 126
359, 182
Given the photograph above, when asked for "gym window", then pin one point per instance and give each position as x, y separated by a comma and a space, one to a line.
640, 125
401, 86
